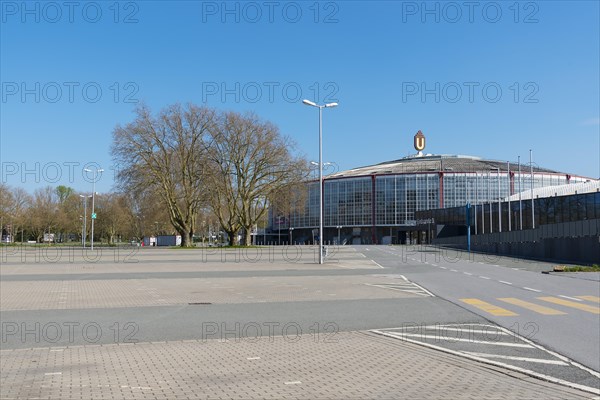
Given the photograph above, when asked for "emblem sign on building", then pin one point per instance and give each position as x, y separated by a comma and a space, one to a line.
420, 142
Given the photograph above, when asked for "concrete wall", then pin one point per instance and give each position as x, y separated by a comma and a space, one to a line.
572, 242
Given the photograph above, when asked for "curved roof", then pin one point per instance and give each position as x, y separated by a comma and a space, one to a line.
436, 163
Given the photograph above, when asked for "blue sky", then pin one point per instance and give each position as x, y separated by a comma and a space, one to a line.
494, 80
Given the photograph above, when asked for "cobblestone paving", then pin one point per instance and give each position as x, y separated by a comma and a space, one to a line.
58, 295
342, 366
58, 260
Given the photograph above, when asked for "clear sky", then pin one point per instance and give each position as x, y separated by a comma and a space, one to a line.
489, 79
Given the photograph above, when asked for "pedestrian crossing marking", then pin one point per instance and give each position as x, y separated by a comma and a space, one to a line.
489, 308
567, 303
589, 298
531, 306
526, 359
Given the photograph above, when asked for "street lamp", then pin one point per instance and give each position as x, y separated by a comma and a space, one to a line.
509, 194
520, 203
97, 172
320, 107
84, 228
325, 165
489, 195
291, 232
532, 202
499, 203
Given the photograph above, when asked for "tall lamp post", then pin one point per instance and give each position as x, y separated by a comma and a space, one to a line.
532, 202
509, 194
291, 238
320, 107
84, 228
97, 172
499, 201
520, 204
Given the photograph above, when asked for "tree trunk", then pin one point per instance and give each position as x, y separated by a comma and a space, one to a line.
247, 236
232, 237
186, 239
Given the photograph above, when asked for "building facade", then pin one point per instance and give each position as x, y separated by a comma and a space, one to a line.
377, 204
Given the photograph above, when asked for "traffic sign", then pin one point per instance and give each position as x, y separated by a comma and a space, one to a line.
93, 215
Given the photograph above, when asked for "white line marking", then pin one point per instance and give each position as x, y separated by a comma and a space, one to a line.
446, 328
435, 265
443, 268
453, 270
501, 364
506, 283
412, 289
533, 290
252, 358
570, 298
425, 290
53, 373
453, 339
467, 273
533, 360
559, 356
292, 383
419, 286
484, 277
376, 263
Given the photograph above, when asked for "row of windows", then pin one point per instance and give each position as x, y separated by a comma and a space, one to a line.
349, 202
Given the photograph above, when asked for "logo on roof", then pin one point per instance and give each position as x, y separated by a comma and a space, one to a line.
419, 141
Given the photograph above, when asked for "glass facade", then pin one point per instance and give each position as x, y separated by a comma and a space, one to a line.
398, 197
393, 200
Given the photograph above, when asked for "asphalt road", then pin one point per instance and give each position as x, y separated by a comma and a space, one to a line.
548, 309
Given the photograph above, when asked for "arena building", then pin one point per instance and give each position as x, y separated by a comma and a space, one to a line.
376, 204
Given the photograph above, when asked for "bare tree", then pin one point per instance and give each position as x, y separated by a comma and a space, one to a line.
69, 211
43, 213
6, 206
289, 200
20, 207
115, 216
250, 161
164, 155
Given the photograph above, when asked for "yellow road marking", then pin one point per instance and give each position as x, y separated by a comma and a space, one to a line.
568, 303
489, 308
589, 298
531, 306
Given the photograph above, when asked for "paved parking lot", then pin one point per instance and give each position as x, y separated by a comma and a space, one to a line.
343, 366
274, 328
